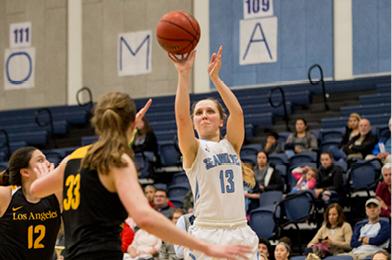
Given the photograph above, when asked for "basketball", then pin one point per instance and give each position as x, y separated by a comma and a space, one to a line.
178, 32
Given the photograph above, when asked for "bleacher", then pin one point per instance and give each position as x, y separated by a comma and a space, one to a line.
370, 97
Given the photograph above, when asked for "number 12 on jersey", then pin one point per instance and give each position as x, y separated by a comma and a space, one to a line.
227, 181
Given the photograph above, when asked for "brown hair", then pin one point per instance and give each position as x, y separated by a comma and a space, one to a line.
340, 215
20, 159
146, 128
221, 110
112, 118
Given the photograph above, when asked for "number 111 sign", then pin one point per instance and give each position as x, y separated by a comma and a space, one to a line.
20, 35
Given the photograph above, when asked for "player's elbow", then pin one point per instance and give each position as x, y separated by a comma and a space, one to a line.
144, 218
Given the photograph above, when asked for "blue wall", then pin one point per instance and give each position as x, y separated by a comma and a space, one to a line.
304, 38
371, 36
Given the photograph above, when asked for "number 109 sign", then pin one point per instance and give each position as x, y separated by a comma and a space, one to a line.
257, 8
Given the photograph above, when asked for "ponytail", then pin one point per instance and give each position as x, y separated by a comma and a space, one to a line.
113, 116
248, 175
5, 178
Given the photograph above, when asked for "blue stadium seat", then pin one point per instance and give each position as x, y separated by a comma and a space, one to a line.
169, 154
270, 199
179, 178
178, 190
263, 223
278, 158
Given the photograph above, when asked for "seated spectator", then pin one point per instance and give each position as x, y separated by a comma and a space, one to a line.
381, 255
267, 177
149, 192
361, 145
264, 248
305, 177
161, 203
127, 234
301, 140
184, 223
271, 144
282, 251
334, 236
372, 234
383, 191
329, 179
146, 141
144, 246
167, 250
382, 150
352, 128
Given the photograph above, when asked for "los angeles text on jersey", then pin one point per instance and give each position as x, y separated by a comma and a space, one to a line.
221, 159
35, 216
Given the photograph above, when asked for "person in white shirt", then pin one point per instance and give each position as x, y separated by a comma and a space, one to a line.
212, 163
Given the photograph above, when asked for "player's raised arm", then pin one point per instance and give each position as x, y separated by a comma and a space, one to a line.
235, 122
186, 136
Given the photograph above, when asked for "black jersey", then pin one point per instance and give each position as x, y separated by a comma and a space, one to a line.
29, 230
92, 215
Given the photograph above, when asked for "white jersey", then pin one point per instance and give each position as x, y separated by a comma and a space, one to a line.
217, 184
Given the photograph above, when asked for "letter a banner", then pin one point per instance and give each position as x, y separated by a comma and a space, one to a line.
258, 40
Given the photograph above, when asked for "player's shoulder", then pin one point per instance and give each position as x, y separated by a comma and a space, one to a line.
79, 153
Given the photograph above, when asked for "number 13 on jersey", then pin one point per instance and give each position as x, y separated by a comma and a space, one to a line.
226, 178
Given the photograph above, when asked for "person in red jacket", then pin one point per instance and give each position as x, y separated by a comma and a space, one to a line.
383, 191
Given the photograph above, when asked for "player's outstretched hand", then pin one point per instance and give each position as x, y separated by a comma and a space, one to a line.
185, 64
231, 252
140, 114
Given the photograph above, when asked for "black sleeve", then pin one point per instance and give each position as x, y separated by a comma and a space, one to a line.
276, 182
367, 145
337, 179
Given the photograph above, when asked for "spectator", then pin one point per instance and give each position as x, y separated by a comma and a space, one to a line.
361, 145
352, 128
264, 248
144, 246
149, 192
381, 255
383, 149
145, 141
329, 179
372, 234
184, 222
161, 203
305, 177
267, 177
271, 144
282, 251
167, 250
301, 140
383, 191
335, 234
127, 234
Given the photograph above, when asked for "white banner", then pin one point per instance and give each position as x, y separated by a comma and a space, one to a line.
258, 40
258, 8
134, 53
19, 69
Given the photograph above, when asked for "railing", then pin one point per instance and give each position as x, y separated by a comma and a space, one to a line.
281, 103
89, 103
38, 114
6, 143
320, 81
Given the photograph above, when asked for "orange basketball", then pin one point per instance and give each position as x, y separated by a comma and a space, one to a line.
178, 32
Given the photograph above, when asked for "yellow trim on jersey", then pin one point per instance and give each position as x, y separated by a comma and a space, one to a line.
79, 153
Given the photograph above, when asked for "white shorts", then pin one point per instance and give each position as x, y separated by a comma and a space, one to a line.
240, 235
